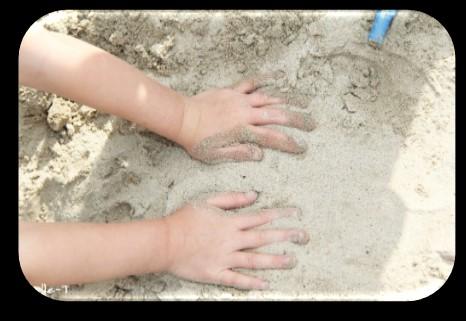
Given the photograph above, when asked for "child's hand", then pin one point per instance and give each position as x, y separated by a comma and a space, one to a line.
205, 244
223, 124
214, 126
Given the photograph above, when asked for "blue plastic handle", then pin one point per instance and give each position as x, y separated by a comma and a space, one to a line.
382, 22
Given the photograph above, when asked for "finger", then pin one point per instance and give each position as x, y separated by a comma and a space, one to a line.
229, 200
270, 116
250, 85
248, 260
241, 152
258, 238
263, 217
247, 86
241, 281
258, 99
272, 138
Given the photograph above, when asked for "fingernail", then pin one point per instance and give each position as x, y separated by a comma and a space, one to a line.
294, 238
296, 212
300, 237
276, 100
257, 154
251, 194
291, 262
301, 145
290, 211
308, 122
298, 145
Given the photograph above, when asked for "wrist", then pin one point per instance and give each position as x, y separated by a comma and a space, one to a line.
159, 252
165, 116
188, 125
178, 133
175, 241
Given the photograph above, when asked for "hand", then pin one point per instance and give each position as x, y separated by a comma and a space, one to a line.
205, 244
225, 124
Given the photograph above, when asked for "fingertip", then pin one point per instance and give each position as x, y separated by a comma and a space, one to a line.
230, 200
302, 148
301, 237
299, 146
292, 211
278, 100
303, 121
291, 262
309, 124
257, 153
247, 199
246, 86
298, 213
251, 195
263, 285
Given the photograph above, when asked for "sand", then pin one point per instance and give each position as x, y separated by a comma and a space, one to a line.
376, 184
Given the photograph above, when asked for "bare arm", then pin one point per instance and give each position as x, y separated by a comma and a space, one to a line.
70, 253
214, 126
197, 242
217, 121
74, 69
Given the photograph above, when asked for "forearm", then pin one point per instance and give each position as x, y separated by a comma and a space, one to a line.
73, 253
77, 70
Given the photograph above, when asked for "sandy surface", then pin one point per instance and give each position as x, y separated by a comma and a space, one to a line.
376, 185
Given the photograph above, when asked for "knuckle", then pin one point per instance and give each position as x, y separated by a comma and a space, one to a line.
261, 237
269, 216
215, 276
255, 152
263, 216
225, 279
251, 262
292, 234
284, 212
234, 280
283, 114
279, 261
225, 92
260, 97
251, 114
265, 114
251, 284
250, 149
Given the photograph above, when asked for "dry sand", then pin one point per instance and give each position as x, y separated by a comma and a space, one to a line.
376, 185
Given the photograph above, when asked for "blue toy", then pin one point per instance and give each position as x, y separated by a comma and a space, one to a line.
382, 22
